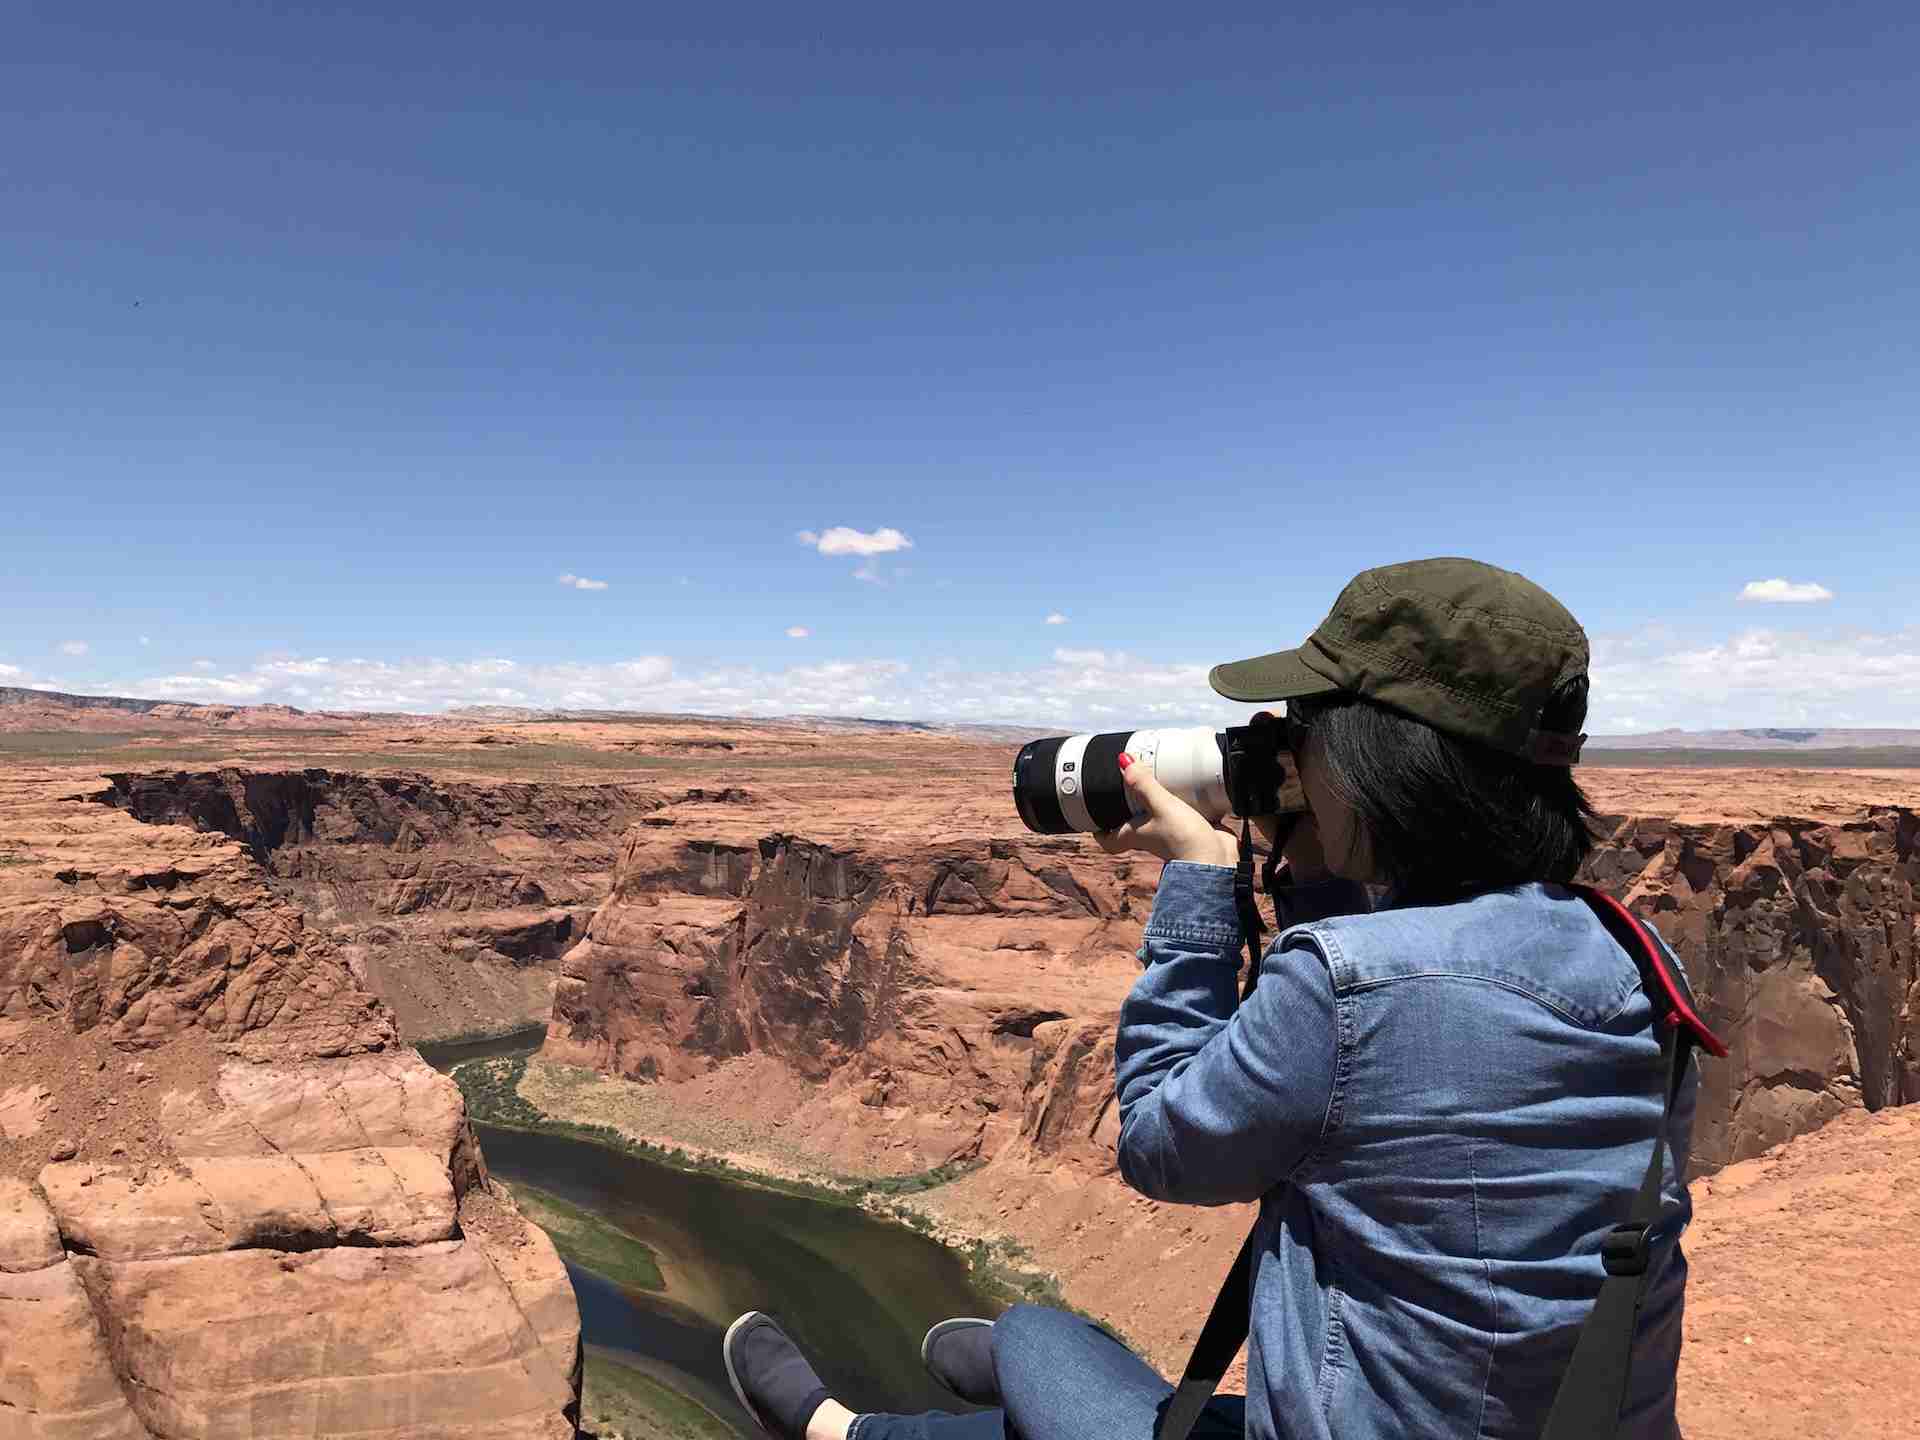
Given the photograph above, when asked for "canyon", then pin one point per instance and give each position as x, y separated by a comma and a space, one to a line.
232, 1200
802, 949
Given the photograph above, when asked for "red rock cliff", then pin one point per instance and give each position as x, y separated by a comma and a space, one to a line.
228, 1195
966, 992
1799, 938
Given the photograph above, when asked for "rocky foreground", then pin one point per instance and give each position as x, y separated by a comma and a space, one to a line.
232, 1202
822, 951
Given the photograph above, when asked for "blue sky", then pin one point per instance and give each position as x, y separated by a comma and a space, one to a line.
333, 338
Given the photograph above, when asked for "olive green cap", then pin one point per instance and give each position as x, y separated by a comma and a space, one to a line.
1473, 650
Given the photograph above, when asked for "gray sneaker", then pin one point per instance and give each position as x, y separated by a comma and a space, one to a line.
959, 1354
770, 1377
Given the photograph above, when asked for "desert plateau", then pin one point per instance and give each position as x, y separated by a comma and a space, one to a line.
818, 955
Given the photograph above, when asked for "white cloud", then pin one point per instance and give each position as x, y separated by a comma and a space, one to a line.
1648, 679
798, 632
1056, 618
146, 639
580, 582
8, 672
423, 685
1756, 677
1785, 592
205, 665
1051, 696
844, 540
73, 647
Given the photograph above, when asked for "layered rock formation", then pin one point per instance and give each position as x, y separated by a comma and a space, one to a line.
1800, 939
933, 988
916, 981
976, 985
451, 900
230, 1202
882, 975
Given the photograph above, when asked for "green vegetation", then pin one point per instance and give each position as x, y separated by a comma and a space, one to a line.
492, 1091
590, 1242
1007, 1272
619, 1402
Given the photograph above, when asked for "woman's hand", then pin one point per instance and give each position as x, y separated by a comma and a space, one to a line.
1170, 828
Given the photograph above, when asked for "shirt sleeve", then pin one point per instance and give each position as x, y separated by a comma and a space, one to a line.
1220, 1101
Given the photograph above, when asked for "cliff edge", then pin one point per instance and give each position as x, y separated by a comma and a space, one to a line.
231, 1202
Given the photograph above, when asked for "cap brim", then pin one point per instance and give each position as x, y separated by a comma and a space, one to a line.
1282, 675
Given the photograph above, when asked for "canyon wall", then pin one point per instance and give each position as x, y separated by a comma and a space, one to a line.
923, 988
231, 1202
205, 1101
1799, 938
965, 994
452, 900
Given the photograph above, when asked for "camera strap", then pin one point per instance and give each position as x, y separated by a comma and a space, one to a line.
1594, 1386
1249, 910
1247, 907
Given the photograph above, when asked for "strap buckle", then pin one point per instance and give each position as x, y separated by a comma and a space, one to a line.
1626, 1248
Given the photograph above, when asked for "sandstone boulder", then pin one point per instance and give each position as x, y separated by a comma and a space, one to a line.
293, 1234
414, 1340
284, 1201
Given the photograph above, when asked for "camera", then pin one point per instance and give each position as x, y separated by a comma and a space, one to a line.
1072, 782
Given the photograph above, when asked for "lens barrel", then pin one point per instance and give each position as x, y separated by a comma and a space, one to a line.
1072, 782
1068, 783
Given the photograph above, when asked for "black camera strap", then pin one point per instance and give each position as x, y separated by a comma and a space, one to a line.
1251, 925
1248, 908
1594, 1387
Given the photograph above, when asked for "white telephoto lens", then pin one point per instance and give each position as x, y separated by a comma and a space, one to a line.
1187, 761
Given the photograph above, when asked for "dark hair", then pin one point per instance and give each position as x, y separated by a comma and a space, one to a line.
1447, 816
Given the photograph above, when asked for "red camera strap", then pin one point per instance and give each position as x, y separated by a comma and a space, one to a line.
1632, 936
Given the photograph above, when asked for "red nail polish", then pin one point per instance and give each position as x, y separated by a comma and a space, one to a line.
1125, 760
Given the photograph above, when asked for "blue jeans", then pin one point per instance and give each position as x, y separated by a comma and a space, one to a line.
1070, 1380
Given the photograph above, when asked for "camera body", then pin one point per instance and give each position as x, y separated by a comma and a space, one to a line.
1069, 783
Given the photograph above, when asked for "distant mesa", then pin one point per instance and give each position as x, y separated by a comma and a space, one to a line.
29, 710
24, 709
1759, 738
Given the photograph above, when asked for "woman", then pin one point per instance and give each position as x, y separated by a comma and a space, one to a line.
1442, 1104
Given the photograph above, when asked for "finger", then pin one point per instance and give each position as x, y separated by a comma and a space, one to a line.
1142, 785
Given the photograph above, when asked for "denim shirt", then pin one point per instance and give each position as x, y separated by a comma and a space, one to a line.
1441, 1110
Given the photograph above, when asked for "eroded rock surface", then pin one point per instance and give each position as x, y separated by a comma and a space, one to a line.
981, 982
848, 947
933, 985
230, 1202
922, 987
452, 901
1800, 939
